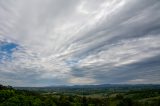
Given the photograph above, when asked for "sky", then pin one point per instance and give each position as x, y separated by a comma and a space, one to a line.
79, 42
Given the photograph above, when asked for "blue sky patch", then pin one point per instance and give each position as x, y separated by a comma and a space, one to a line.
6, 50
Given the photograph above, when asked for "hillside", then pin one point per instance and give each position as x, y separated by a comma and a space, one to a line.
148, 95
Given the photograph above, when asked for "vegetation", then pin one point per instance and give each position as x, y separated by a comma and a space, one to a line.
80, 97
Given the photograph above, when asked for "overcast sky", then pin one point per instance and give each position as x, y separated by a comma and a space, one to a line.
68, 42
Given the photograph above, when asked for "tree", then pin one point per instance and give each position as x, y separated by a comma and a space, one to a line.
49, 102
84, 101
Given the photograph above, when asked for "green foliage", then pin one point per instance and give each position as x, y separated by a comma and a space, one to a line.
12, 97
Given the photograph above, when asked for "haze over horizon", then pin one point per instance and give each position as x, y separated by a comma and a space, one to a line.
79, 42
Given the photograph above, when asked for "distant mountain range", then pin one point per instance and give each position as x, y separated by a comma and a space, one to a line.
102, 86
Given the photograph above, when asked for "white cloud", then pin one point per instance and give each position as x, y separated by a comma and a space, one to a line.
54, 36
81, 80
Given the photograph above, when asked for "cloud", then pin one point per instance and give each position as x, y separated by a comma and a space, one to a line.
81, 80
79, 42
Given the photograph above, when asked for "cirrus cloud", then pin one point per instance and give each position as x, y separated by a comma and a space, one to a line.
55, 42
